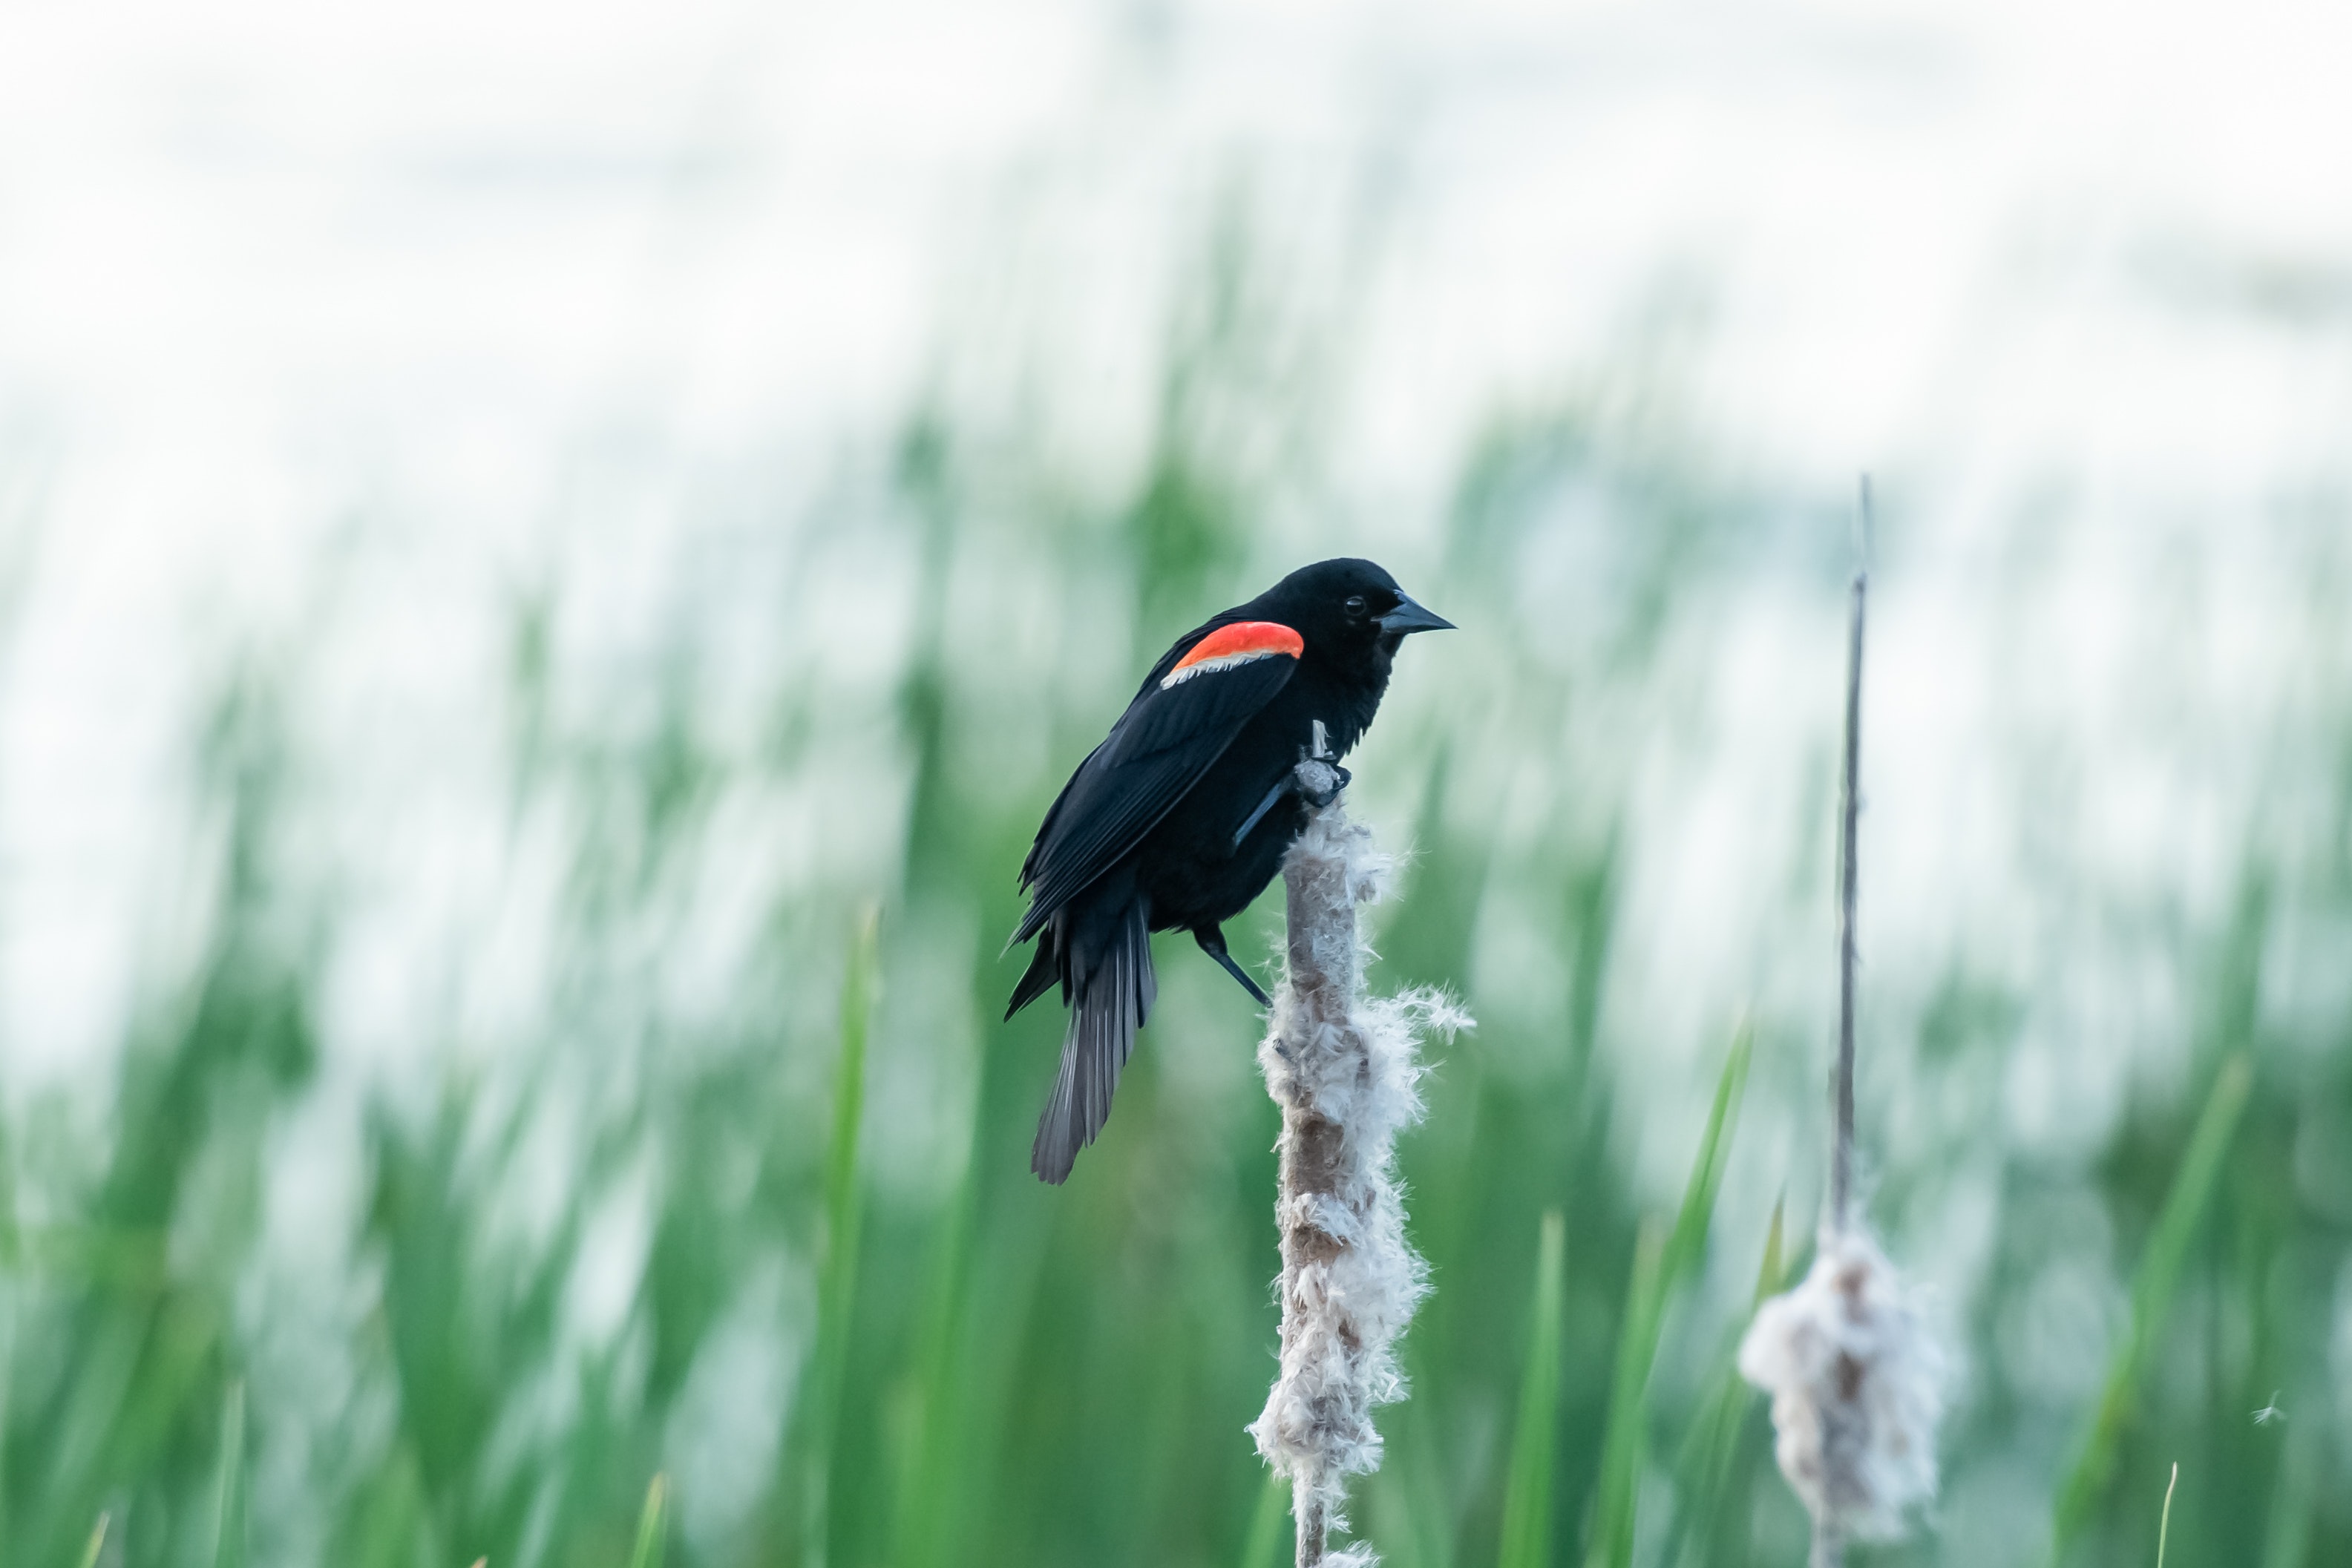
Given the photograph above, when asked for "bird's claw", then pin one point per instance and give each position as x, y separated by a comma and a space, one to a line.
1320, 782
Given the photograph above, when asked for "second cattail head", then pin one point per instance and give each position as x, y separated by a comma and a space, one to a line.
1856, 1380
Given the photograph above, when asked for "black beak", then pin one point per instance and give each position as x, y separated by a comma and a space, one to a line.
1411, 617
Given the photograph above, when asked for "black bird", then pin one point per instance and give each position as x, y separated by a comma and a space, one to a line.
1180, 817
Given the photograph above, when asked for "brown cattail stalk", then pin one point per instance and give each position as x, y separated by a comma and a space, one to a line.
1345, 1069
1856, 1377
1849, 814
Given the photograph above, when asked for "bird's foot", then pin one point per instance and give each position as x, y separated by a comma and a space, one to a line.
1320, 782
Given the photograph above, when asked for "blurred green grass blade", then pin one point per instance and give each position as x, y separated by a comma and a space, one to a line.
1659, 1267
2153, 1289
837, 1272
1689, 1241
97, 1543
229, 1518
1769, 1273
12, 1262
1713, 1441
1623, 1439
1526, 1502
2286, 1539
925, 1508
652, 1525
1261, 1546
849, 1104
1422, 1485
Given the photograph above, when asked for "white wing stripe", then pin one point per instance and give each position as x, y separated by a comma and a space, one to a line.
1221, 661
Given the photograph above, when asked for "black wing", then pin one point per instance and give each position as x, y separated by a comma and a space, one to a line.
1168, 736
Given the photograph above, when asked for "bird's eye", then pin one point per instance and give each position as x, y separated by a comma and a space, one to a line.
1355, 606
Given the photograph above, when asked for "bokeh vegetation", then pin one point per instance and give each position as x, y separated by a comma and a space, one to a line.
688, 1209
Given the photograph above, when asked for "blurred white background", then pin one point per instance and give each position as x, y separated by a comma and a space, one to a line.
471, 299
491, 299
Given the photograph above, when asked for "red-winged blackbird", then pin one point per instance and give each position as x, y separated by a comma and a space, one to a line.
1180, 817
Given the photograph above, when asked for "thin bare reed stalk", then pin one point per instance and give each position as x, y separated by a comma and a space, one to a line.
1345, 1069
1856, 1379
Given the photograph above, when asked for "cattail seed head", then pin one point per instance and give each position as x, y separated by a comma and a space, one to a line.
1856, 1381
1345, 1070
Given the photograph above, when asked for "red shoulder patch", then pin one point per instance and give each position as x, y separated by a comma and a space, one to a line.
1239, 644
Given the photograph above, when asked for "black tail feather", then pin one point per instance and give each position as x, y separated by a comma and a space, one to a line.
1112, 1000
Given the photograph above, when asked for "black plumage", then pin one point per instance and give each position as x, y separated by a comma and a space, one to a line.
1181, 817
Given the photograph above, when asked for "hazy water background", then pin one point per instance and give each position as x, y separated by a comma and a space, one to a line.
518, 523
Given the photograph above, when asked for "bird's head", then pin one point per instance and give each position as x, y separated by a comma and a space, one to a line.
1347, 608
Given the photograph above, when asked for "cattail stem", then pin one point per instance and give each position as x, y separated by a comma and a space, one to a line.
1829, 1547
1319, 990
1842, 1143
1313, 1531
1854, 1374
1343, 1067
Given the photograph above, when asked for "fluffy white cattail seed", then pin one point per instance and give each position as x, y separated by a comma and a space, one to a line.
1856, 1381
1345, 1069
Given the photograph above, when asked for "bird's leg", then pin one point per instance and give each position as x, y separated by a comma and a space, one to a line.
1213, 943
1320, 782
1273, 797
